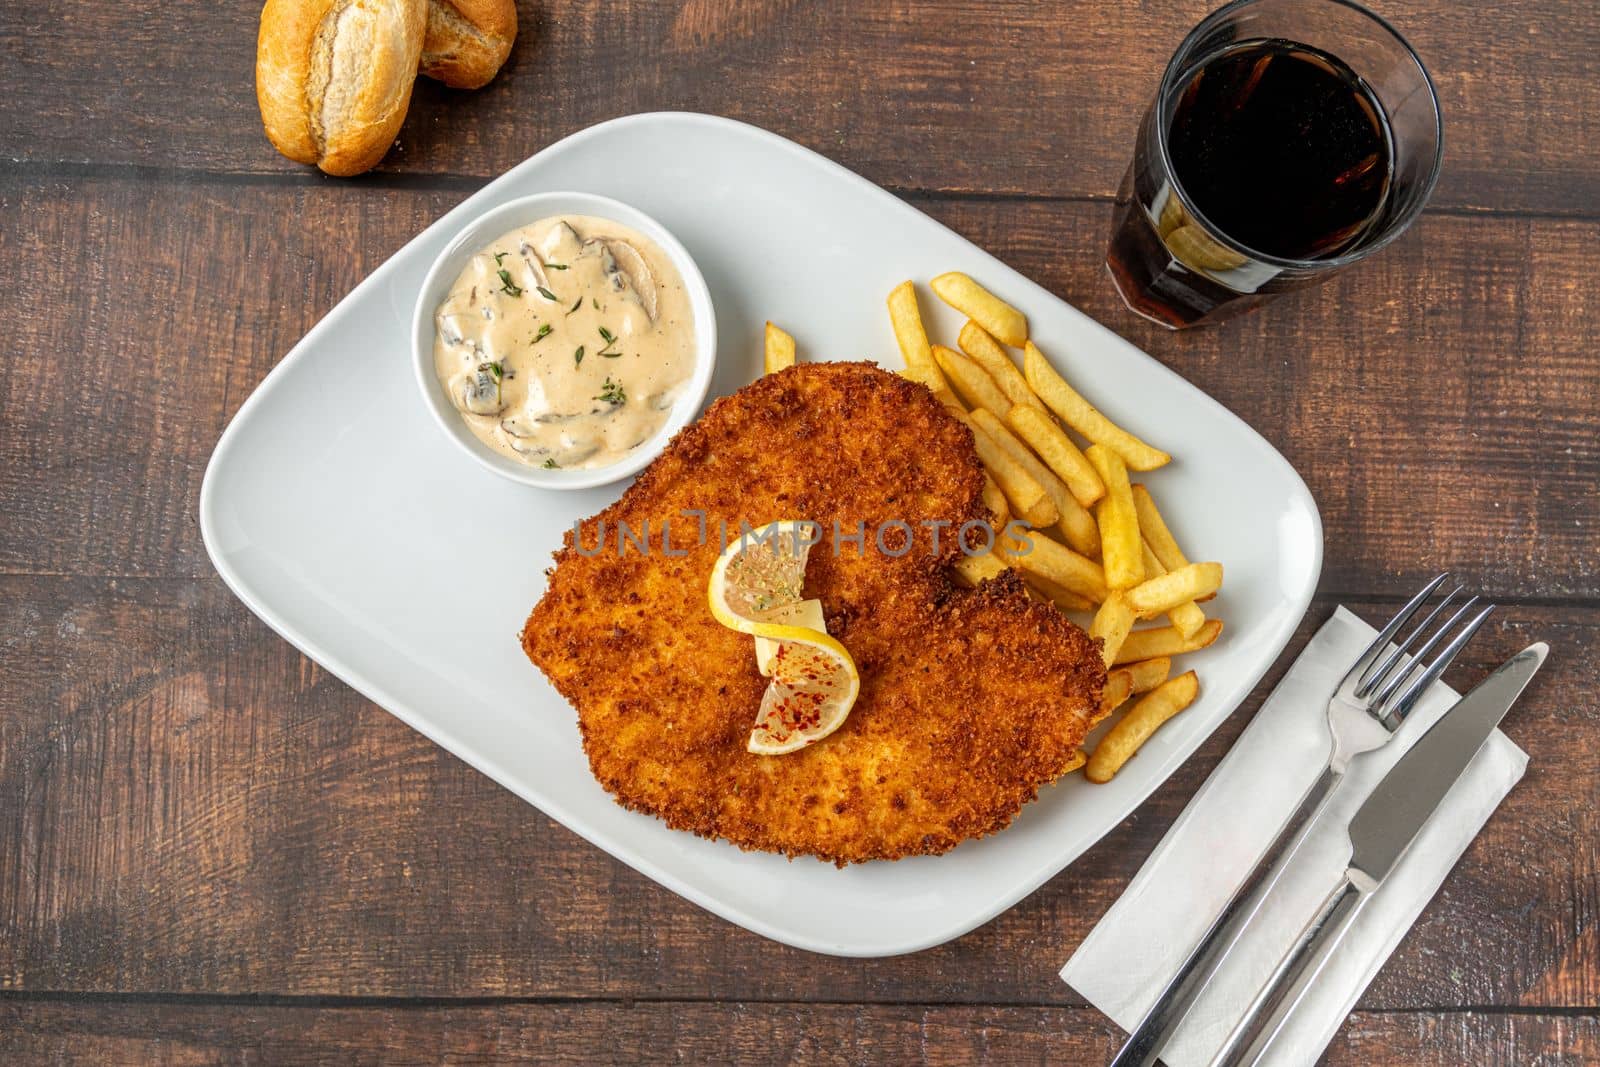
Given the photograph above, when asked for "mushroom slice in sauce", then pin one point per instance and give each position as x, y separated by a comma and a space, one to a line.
620, 282
525, 425
560, 244
478, 392
453, 334
577, 452
633, 266
528, 448
569, 453
530, 256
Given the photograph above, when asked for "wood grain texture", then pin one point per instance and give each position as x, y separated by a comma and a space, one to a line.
1033, 97
187, 805
145, 315
1418, 394
239, 860
734, 1032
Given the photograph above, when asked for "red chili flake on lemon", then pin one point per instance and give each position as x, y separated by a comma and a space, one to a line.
755, 589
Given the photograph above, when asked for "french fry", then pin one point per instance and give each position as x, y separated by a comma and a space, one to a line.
1111, 624
1118, 687
1161, 594
1120, 550
1059, 595
1149, 673
951, 402
971, 381
1165, 641
1033, 594
1143, 719
1076, 760
931, 377
974, 569
928, 374
1065, 599
995, 501
1075, 573
778, 349
1003, 321
906, 319
1154, 529
987, 353
1008, 546
1077, 526
1187, 617
1082, 416
1029, 501
1056, 448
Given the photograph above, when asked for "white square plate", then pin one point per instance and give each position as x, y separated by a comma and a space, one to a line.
339, 523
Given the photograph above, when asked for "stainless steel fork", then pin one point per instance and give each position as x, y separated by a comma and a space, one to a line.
1369, 704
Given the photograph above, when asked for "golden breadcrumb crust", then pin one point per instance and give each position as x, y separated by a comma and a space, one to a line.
970, 699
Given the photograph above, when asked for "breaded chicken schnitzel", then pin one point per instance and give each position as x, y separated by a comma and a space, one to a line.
970, 699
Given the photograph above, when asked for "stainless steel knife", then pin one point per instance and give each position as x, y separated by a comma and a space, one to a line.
1381, 831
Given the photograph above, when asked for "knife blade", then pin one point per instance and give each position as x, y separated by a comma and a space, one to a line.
1383, 828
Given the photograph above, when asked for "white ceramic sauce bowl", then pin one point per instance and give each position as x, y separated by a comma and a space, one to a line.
475, 236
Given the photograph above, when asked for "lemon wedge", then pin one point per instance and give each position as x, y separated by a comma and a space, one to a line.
806, 614
814, 685
758, 573
755, 589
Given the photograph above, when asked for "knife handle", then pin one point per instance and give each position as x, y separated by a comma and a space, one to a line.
1144, 1044
1295, 972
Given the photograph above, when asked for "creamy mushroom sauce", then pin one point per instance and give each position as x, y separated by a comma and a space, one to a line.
565, 343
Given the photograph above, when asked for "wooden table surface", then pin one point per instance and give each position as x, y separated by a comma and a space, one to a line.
213, 851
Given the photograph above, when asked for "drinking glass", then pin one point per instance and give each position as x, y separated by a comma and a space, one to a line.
1172, 264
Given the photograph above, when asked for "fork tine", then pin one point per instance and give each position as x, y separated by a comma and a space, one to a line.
1419, 658
1372, 679
1386, 635
1409, 698
1389, 698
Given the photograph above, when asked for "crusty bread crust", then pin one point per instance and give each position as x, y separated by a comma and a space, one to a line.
467, 41
334, 77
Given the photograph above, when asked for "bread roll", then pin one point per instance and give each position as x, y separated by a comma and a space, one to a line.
468, 40
334, 77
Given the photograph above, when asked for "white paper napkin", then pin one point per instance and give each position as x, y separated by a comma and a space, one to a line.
1126, 960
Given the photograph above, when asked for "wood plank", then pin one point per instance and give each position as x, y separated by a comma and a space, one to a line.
736, 1032
1036, 97
188, 806
1440, 400
145, 315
